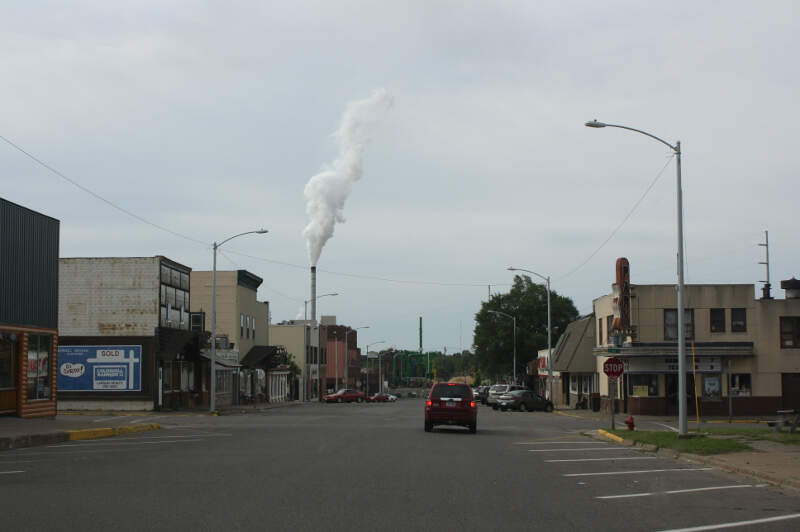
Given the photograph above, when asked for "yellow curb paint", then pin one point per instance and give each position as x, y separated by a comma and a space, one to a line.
107, 432
749, 421
610, 436
568, 415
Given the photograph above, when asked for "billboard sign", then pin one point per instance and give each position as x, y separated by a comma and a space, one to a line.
100, 368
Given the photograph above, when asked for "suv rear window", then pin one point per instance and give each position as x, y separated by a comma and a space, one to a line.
446, 390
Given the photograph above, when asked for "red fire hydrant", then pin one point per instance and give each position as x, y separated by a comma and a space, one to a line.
630, 423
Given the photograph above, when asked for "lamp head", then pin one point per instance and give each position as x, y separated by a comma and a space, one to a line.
511, 269
261, 231
595, 123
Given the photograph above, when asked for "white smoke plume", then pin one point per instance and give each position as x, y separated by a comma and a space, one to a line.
327, 191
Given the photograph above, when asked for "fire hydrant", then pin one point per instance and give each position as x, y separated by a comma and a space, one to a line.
630, 423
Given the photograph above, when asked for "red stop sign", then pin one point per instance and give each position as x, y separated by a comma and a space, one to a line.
613, 367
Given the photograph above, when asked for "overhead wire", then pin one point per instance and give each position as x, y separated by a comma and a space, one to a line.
618, 227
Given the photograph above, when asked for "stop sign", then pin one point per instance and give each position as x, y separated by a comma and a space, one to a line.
613, 368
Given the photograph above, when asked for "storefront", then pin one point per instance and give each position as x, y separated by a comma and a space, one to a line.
28, 311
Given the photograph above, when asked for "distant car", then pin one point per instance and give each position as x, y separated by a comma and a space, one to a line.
451, 404
499, 389
345, 395
523, 400
382, 398
483, 394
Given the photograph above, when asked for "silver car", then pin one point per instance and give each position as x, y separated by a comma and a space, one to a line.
499, 389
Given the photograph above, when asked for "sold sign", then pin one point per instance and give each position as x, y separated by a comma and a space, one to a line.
613, 367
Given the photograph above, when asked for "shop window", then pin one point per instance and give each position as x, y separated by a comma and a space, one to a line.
738, 320
671, 323
39, 366
6, 363
643, 385
790, 331
712, 387
740, 385
717, 320
573, 384
586, 383
600, 332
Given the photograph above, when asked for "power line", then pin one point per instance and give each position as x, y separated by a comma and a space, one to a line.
627, 216
98, 196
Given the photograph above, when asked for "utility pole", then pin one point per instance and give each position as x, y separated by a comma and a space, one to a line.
766, 289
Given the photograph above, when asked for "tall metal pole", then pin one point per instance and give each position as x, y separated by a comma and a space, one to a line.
683, 425
336, 345
514, 318
549, 344
212, 402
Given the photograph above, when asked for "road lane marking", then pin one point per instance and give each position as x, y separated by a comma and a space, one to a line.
673, 492
580, 449
107, 418
119, 443
568, 415
735, 524
545, 442
635, 472
612, 458
10, 472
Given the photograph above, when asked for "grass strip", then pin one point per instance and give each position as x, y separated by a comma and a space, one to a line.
792, 438
698, 444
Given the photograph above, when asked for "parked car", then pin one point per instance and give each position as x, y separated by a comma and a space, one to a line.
382, 398
451, 403
523, 400
499, 389
483, 395
345, 395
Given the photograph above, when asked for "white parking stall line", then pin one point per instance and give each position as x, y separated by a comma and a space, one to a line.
606, 459
735, 524
10, 472
636, 472
579, 449
674, 492
673, 429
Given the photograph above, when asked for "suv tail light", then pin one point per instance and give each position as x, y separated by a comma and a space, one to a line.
472, 404
428, 402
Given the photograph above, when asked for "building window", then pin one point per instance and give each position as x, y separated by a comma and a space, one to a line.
738, 320
253, 321
609, 323
671, 324
717, 320
600, 331
643, 385
712, 387
39, 366
740, 385
6, 362
573, 383
248, 327
790, 331
241, 325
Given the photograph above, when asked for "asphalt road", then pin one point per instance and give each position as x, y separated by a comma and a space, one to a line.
372, 467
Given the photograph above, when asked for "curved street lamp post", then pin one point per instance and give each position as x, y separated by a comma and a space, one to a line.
549, 327
515, 338
676, 149
212, 401
305, 345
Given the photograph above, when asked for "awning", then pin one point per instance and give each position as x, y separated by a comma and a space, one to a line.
221, 362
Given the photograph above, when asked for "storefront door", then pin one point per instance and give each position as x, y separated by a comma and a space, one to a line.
790, 386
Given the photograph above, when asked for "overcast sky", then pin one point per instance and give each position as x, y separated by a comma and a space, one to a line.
208, 118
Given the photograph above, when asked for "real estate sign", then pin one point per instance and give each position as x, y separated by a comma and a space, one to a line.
100, 368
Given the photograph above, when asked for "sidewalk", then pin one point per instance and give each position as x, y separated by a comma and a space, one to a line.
772, 462
646, 422
16, 432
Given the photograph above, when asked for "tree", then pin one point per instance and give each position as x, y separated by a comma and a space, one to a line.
527, 301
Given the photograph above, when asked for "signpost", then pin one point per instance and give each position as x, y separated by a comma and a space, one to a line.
613, 368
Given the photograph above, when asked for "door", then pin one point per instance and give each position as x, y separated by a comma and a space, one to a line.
790, 389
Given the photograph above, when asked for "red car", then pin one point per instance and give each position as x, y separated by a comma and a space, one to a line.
345, 395
451, 403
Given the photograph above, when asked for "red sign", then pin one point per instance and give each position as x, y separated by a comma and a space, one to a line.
613, 368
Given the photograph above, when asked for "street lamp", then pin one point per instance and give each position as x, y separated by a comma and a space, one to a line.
515, 338
347, 353
305, 346
676, 149
380, 377
549, 328
213, 402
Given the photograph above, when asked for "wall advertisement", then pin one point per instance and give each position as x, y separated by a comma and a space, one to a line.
100, 368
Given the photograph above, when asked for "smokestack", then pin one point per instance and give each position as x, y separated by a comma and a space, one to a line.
313, 294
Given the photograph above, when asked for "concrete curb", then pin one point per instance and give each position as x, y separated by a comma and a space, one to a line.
34, 440
697, 458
